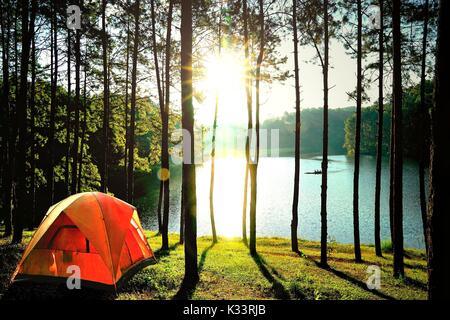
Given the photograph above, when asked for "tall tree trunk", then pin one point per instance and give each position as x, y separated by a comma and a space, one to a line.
424, 124
294, 222
248, 91
398, 146
7, 122
84, 127
136, 14
77, 107
13, 114
53, 106
165, 174
439, 202
4, 108
182, 224
323, 196
253, 195
244, 208
380, 132
391, 175
254, 164
104, 179
213, 144
20, 211
211, 188
68, 114
14, 122
127, 72
32, 106
125, 159
161, 104
189, 185
158, 210
356, 238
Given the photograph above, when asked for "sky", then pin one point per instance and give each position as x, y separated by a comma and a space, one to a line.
278, 98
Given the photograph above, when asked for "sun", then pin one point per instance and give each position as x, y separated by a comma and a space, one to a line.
224, 70
224, 77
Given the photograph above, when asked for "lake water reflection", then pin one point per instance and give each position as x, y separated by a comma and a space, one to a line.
275, 187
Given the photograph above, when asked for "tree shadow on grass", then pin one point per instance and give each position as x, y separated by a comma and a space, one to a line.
279, 290
186, 290
359, 284
203, 256
188, 286
164, 253
351, 279
416, 283
416, 266
338, 259
156, 235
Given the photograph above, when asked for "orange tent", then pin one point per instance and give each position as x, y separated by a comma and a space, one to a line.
100, 234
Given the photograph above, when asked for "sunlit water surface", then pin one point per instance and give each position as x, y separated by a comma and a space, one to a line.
275, 190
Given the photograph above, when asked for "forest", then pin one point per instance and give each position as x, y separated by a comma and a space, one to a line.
117, 97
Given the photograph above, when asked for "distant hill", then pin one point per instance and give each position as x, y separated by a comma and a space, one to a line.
311, 130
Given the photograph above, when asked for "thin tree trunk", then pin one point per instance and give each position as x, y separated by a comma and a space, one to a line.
165, 136
4, 107
398, 146
83, 130
82, 143
77, 106
13, 110
31, 220
68, 114
253, 195
213, 144
211, 188
104, 178
379, 133
155, 57
356, 237
244, 208
424, 124
254, 164
53, 105
294, 222
439, 201
189, 185
323, 202
16, 50
182, 223
7, 121
126, 109
20, 211
158, 213
248, 91
136, 14
161, 104
391, 175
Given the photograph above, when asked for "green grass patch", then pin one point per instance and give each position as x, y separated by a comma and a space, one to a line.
228, 271
386, 246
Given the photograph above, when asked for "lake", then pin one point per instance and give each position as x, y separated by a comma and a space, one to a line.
274, 202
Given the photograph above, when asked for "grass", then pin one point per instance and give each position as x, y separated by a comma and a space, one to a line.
386, 246
228, 271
